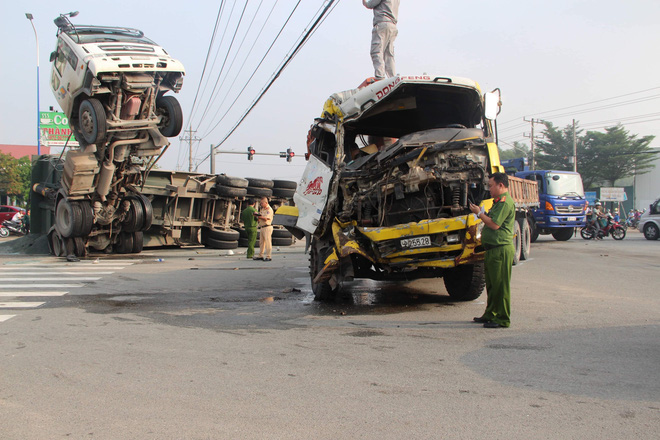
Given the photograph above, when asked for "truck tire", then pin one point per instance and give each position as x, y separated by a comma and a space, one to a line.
171, 122
138, 242
220, 244
259, 191
517, 242
534, 233
563, 234
322, 290
88, 218
220, 234
243, 242
651, 231
525, 239
236, 182
285, 184
124, 243
465, 282
68, 219
281, 233
79, 248
229, 191
148, 210
282, 241
91, 119
260, 183
283, 193
134, 220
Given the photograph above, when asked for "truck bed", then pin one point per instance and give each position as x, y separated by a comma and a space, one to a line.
525, 192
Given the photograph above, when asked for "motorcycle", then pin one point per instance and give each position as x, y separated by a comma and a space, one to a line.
615, 229
9, 227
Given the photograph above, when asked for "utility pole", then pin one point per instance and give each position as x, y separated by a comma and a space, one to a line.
532, 138
212, 157
574, 148
190, 139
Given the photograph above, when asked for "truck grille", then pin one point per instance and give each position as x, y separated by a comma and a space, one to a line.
570, 209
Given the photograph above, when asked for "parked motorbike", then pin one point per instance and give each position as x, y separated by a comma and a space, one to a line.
9, 227
615, 229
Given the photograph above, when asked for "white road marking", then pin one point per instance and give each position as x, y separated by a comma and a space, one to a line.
40, 286
3, 318
20, 272
34, 293
38, 278
20, 305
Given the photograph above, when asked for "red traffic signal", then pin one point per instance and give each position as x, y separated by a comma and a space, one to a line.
289, 154
250, 153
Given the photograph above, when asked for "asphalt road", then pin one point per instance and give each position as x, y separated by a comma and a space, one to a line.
210, 346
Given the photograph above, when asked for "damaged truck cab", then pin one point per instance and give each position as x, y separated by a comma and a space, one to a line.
392, 169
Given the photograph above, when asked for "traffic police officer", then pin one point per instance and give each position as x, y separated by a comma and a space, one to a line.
497, 239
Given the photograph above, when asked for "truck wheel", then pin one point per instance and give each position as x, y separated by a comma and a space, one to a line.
171, 116
260, 183
229, 191
68, 218
138, 242
125, 243
525, 239
134, 220
283, 193
79, 248
563, 234
219, 244
259, 191
87, 218
219, 234
517, 242
534, 234
279, 241
285, 184
322, 290
465, 282
651, 231
91, 118
236, 182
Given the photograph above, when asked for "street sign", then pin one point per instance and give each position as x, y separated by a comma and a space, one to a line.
591, 197
55, 130
612, 195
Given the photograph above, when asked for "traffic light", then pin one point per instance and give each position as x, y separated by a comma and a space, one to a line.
250, 152
289, 154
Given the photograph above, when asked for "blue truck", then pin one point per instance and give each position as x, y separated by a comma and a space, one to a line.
562, 204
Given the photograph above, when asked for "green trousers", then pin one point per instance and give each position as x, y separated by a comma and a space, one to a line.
498, 262
252, 239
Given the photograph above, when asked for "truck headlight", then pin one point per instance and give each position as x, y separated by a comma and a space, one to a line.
554, 220
454, 238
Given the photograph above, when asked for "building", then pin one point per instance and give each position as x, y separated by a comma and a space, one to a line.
19, 151
647, 186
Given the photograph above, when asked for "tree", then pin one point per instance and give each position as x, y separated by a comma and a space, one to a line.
519, 150
618, 154
554, 153
15, 176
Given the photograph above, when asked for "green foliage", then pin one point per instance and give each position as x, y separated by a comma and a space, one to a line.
601, 157
519, 150
15, 176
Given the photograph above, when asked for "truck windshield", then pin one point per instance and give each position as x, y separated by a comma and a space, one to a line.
569, 185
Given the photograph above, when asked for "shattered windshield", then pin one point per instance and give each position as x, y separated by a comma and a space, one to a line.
569, 185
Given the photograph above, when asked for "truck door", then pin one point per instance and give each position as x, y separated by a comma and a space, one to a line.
64, 73
312, 194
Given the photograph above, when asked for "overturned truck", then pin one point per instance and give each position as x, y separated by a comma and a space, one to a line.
392, 169
112, 84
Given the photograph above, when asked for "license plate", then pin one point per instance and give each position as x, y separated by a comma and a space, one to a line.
572, 219
417, 242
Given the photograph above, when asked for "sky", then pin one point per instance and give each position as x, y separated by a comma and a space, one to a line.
593, 61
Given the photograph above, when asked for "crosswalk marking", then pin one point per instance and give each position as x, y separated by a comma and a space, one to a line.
20, 305
50, 279
33, 293
26, 278
41, 286
20, 272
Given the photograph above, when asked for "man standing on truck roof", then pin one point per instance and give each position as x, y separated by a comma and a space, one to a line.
386, 16
265, 225
497, 239
249, 219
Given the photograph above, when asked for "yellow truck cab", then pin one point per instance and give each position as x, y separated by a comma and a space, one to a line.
392, 168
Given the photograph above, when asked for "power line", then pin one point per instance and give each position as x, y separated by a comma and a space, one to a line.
279, 72
254, 71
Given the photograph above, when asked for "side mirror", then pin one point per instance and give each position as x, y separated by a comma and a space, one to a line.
492, 104
53, 56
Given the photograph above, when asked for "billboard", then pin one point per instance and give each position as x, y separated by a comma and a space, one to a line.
55, 130
612, 194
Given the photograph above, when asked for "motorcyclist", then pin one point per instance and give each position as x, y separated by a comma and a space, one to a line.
596, 215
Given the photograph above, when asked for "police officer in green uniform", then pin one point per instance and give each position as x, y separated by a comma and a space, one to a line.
249, 220
497, 239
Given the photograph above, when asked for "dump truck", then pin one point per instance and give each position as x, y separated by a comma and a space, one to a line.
392, 168
113, 84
